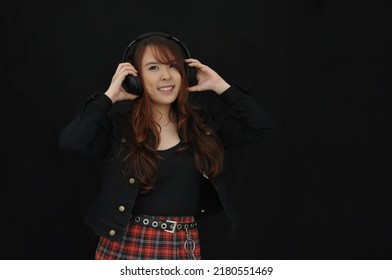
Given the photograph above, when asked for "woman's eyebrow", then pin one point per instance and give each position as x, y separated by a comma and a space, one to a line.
151, 62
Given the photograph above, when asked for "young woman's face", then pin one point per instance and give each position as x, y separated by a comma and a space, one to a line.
161, 81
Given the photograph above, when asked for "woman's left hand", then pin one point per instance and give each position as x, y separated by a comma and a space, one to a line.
207, 78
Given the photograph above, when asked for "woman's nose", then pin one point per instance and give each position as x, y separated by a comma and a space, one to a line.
166, 75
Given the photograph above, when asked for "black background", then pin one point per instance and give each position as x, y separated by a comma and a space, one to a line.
319, 187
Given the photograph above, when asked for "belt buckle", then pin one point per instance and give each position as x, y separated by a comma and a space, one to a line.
174, 226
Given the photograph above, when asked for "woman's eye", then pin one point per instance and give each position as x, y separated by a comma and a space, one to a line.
152, 68
173, 65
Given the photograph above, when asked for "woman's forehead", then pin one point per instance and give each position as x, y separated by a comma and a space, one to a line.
161, 54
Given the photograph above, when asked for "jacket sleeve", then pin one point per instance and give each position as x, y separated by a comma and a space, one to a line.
247, 122
89, 131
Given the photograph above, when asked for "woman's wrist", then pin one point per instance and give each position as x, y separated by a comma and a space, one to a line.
221, 87
111, 96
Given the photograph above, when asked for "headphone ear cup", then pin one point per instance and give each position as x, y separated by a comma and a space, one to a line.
132, 85
191, 74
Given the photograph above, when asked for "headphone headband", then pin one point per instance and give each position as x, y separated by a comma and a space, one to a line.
150, 34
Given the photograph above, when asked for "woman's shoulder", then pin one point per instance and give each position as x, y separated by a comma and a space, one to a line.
120, 113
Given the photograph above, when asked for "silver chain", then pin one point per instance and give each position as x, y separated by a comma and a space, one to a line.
189, 242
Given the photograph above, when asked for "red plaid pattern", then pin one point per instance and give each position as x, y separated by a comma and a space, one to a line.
147, 243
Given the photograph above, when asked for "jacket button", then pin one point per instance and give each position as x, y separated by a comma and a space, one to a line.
123, 140
121, 208
112, 232
132, 181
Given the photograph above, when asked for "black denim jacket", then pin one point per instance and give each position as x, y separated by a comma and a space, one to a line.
94, 133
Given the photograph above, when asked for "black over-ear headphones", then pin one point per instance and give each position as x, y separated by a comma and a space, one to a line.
133, 84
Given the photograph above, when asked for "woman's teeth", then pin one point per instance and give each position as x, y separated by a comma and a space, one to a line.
166, 88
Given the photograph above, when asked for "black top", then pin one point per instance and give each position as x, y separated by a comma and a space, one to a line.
177, 189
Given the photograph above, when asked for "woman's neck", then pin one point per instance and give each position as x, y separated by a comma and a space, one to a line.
162, 113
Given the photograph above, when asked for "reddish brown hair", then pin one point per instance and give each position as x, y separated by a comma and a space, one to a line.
142, 156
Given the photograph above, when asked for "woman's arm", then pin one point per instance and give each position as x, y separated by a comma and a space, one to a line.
248, 124
88, 133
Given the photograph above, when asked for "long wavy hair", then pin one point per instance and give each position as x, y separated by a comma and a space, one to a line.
141, 157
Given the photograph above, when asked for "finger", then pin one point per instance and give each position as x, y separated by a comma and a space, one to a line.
129, 67
196, 64
125, 72
129, 96
191, 60
194, 88
126, 65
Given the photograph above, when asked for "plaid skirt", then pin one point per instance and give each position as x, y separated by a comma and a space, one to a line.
148, 243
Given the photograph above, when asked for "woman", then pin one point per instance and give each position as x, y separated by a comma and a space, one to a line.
164, 157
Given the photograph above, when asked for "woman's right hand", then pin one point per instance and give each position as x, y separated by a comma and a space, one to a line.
115, 91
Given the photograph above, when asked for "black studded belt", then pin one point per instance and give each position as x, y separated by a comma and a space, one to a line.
168, 225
